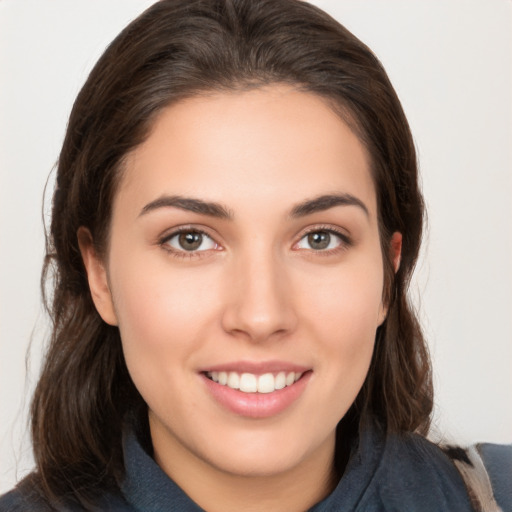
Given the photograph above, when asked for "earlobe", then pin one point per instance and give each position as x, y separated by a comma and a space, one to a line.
97, 277
396, 250
395, 254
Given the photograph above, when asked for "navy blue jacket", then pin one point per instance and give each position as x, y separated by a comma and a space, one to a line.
385, 473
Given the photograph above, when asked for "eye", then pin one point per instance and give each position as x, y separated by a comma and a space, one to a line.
322, 240
190, 241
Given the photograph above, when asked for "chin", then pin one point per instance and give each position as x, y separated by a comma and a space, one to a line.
257, 465
266, 454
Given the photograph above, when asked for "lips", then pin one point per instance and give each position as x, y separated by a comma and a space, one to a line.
256, 390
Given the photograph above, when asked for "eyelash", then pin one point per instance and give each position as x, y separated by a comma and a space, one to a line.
345, 242
176, 253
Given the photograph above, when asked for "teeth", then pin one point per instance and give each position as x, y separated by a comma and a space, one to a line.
266, 383
280, 380
250, 383
233, 380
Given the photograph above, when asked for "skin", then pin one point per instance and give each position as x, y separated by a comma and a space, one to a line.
255, 291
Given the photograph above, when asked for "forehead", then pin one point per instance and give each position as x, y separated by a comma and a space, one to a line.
273, 144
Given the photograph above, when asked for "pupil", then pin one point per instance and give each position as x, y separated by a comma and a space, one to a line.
319, 240
190, 241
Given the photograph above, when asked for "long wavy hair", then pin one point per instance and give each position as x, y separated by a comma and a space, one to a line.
174, 50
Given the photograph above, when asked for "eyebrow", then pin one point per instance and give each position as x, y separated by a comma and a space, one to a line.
325, 202
189, 204
213, 209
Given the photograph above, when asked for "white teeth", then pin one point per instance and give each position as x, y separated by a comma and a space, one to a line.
233, 380
266, 383
280, 381
250, 383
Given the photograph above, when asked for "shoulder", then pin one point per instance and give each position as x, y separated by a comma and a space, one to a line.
401, 471
479, 474
487, 471
417, 469
498, 461
420, 456
26, 496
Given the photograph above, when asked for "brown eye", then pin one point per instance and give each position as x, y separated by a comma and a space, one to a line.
322, 240
319, 240
190, 241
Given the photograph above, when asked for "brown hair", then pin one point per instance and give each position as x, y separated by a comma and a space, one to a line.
177, 49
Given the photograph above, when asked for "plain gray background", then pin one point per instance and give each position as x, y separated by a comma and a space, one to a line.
451, 63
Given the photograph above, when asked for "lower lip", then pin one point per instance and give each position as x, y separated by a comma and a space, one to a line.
257, 405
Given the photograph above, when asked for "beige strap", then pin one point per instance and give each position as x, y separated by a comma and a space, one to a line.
477, 480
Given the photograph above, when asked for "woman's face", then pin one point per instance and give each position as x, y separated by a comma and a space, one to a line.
244, 253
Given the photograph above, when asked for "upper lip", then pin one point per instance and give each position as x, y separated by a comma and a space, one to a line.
256, 367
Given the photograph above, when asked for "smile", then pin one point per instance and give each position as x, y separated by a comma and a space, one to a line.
252, 383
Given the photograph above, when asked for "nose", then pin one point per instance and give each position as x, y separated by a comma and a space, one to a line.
260, 303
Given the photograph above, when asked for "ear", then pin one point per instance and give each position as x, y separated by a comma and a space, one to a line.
97, 277
395, 253
395, 248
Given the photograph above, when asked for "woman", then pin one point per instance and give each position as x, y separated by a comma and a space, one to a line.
235, 222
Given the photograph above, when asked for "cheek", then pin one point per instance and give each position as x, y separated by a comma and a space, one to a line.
344, 316
348, 301
164, 318
162, 313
